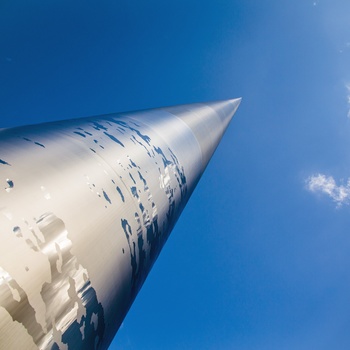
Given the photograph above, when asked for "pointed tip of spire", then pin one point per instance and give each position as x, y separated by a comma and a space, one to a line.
225, 109
235, 101
238, 99
207, 121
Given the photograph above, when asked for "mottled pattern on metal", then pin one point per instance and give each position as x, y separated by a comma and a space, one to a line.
86, 206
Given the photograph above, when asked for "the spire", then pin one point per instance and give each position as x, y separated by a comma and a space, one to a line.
87, 205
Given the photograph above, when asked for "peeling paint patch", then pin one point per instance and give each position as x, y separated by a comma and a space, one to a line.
137, 257
126, 227
132, 247
39, 144
134, 191
36, 143
4, 163
141, 144
133, 180
106, 197
79, 133
97, 126
132, 163
74, 316
145, 138
114, 139
121, 194
17, 231
10, 185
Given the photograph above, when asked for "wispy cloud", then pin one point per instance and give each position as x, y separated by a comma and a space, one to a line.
348, 97
326, 184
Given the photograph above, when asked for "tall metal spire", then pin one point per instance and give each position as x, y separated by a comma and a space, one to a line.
85, 209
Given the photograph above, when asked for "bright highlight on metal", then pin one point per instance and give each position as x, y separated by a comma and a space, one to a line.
86, 206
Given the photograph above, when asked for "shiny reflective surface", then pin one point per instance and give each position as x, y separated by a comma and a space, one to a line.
85, 209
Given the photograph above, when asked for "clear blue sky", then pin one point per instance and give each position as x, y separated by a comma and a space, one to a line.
260, 257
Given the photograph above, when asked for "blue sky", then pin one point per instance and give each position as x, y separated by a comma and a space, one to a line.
260, 257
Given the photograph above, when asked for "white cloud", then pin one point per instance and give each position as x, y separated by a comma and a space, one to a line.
326, 184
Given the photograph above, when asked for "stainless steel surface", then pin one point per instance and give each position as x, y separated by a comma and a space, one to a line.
86, 206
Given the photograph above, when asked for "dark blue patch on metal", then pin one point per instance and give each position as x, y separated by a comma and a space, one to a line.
113, 138
121, 194
134, 192
39, 144
166, 162
132, 163
106, 197
79, 133
139, 273
4, 163
10, 183
98, 126
133, 180
92, 334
